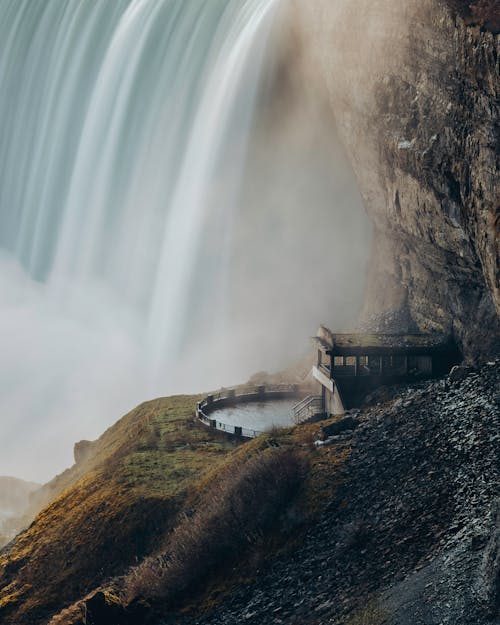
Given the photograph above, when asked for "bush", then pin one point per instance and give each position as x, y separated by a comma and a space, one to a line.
233, 514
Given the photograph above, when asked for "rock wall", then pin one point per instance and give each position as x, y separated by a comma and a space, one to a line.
415, 93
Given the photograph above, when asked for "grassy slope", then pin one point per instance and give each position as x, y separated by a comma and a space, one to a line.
122, 503
116, 508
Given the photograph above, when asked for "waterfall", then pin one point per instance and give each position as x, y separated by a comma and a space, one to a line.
122, 139
176, 212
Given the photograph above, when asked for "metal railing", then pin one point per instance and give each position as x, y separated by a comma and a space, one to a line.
308, 408
240, 395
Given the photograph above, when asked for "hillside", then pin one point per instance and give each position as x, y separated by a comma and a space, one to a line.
411, 534
391, 522
114, 509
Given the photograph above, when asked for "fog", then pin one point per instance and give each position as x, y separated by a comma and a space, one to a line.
290, 254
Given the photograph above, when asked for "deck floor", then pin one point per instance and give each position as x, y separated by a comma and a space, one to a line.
258, 415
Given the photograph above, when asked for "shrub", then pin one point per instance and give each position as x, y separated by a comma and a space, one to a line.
234, 513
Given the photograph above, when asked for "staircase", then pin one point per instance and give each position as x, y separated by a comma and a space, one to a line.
307, 408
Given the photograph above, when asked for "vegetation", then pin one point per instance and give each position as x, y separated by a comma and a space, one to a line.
234, 512
117, 510
169, 500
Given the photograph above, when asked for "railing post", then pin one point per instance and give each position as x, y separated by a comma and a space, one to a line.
238, 430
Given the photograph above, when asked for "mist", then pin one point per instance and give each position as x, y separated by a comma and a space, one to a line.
283, 247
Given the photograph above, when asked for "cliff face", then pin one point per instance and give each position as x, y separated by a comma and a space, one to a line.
415, 93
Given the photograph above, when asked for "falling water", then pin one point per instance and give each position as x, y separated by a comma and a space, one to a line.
112, 140
117, 119
165, 209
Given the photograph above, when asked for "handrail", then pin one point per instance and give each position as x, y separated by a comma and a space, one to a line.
301, 404
307, 408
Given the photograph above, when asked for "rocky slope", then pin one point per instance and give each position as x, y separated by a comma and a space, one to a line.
394, 520
415, 92
411, 535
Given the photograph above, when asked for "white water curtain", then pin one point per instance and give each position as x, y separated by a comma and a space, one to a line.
116, 119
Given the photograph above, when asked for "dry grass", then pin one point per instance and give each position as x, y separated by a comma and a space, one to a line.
114, 511
159, 479
234, 512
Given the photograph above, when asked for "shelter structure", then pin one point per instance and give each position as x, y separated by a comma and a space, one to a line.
349, 366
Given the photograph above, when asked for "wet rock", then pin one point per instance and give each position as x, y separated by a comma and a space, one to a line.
459, 373
347, 423
423, 142
412, 522
488, 584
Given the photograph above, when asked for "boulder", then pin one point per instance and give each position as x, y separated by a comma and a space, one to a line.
459, 373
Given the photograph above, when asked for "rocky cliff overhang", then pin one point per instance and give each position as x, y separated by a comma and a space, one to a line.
415, 92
